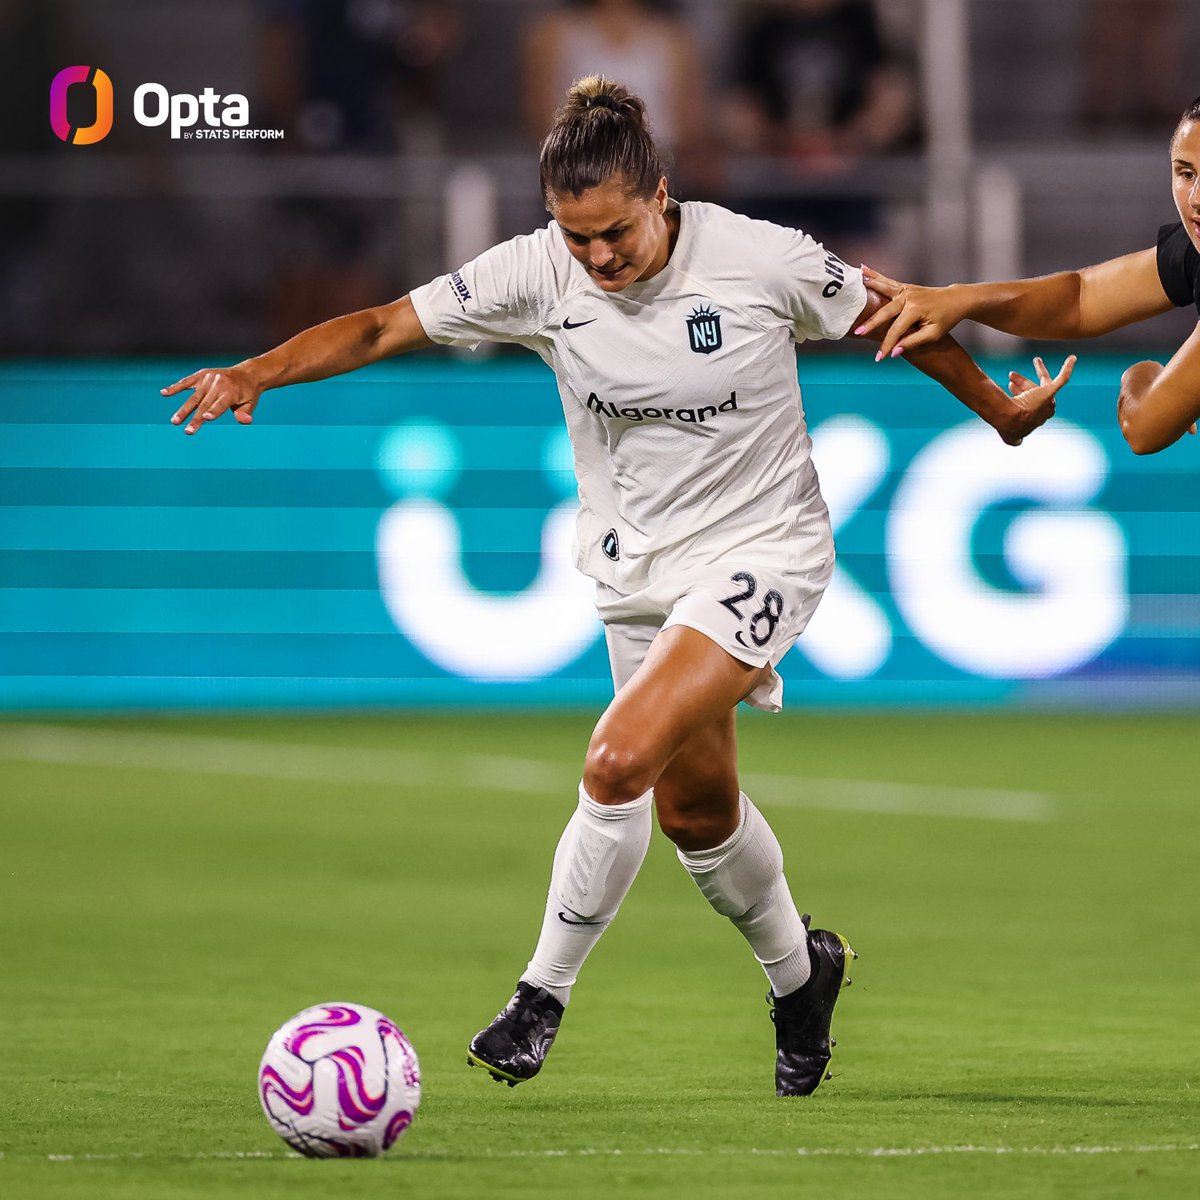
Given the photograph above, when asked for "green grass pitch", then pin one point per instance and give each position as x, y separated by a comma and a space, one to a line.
1023, 1020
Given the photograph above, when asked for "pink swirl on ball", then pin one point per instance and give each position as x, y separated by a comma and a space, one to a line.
408, 1056
354, 1099
396, 1126
336, 1017
272, 1084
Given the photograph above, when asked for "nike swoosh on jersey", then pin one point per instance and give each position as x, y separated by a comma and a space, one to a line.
567, 920
569, 324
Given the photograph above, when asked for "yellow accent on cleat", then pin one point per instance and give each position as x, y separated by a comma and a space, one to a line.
498, 1075
848, 956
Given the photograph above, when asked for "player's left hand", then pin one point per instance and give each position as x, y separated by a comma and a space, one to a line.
1035, 401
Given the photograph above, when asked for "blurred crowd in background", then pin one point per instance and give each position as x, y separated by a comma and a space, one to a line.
395, 113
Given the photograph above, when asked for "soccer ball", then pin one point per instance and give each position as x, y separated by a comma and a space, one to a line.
339, 1081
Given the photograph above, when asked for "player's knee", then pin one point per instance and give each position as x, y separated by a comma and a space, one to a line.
616, 773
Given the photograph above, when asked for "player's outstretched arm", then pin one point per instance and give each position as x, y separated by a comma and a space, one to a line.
1158, 404
337, 346
1013, 415
1070, 304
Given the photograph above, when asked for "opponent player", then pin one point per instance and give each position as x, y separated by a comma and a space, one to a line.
671, 331
1156, 404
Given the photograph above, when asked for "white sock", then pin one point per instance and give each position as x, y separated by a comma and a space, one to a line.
742, 879
598, 856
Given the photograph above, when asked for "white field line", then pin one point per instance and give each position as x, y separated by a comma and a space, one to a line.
197, 754
907, 799
651, 1152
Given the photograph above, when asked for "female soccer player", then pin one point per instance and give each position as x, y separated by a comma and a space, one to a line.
670, 329
1156, 404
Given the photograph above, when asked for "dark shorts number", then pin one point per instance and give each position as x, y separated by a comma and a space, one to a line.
762, 623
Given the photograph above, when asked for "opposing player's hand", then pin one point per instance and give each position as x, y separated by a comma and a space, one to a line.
214, 391
914, 315
1035, 401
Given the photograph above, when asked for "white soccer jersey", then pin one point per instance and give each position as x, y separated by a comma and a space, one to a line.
680, 392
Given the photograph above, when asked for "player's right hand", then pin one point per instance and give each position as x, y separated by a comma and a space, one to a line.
915, 315
214, 391
1035, 401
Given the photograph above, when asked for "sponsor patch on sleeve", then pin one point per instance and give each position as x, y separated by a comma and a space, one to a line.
836, 270
458, 286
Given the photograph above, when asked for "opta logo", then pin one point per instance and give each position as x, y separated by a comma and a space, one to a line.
207, 116
60, 121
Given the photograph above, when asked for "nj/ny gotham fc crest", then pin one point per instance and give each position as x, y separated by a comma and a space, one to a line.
704, 329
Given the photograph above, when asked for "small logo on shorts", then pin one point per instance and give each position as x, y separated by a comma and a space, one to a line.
704, 330
610, 545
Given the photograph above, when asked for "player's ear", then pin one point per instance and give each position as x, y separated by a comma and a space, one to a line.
661, 194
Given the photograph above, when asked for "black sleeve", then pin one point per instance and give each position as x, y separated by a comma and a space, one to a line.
1178, 266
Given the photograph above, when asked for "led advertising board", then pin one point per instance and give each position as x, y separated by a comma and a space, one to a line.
402, 537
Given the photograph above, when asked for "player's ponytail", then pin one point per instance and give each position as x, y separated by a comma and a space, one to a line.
600, 131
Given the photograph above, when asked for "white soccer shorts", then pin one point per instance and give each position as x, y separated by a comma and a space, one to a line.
754, 612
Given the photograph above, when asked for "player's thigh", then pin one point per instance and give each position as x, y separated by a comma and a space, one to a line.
685, 683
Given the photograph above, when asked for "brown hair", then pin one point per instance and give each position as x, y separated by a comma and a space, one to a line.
600, 131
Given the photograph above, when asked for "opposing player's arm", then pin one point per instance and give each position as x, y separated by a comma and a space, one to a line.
333, 348
1069, 304
1013, 415
1157, 405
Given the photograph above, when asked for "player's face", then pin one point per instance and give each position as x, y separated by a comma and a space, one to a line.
617, 237
1185, 177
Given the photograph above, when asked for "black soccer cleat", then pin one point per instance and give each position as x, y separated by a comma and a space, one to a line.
802, 1017
514, 1046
